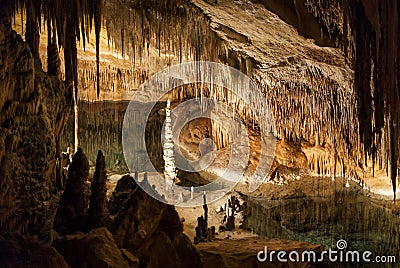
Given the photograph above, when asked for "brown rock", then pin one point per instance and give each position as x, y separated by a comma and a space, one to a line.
149, 229
33, 108
132, 259
95, 249
71, 214
21, 252
159, 251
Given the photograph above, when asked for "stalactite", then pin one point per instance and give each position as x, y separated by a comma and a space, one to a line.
53, 59
97, 26
376, 35
70, 21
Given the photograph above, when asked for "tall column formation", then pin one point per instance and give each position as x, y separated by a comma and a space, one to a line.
168, 148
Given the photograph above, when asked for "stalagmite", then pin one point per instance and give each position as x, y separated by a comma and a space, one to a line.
97, 213
71, 213
170, 172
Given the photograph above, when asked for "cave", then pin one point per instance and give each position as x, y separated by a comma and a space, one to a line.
199, 133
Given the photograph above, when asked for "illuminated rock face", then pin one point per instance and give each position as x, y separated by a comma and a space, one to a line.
309, 88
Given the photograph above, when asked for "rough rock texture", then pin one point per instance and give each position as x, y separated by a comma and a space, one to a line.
18, 252
149, 229
72, 210
296, 13
97, 213
33, 110
96, 249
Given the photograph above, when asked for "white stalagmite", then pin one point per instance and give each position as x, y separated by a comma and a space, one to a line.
168, 148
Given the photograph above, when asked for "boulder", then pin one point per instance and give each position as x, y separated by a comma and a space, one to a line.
19, 251
96, 249
149, 229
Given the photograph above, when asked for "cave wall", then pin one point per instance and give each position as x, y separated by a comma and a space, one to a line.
33, 110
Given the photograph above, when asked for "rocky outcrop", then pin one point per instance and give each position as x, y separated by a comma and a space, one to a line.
97, 213
94, 249
33, 110
17, 252
72, 210
149, 229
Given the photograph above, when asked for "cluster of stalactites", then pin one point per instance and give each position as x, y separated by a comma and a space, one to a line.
317, 110
120, 82
368, 34
374, 26
163, 28
66, 21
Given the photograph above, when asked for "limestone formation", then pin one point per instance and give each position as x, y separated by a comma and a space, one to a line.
311, 89
336, 107
149, 229
33, 109
203, 232
233, 209
97, 213
72, 210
